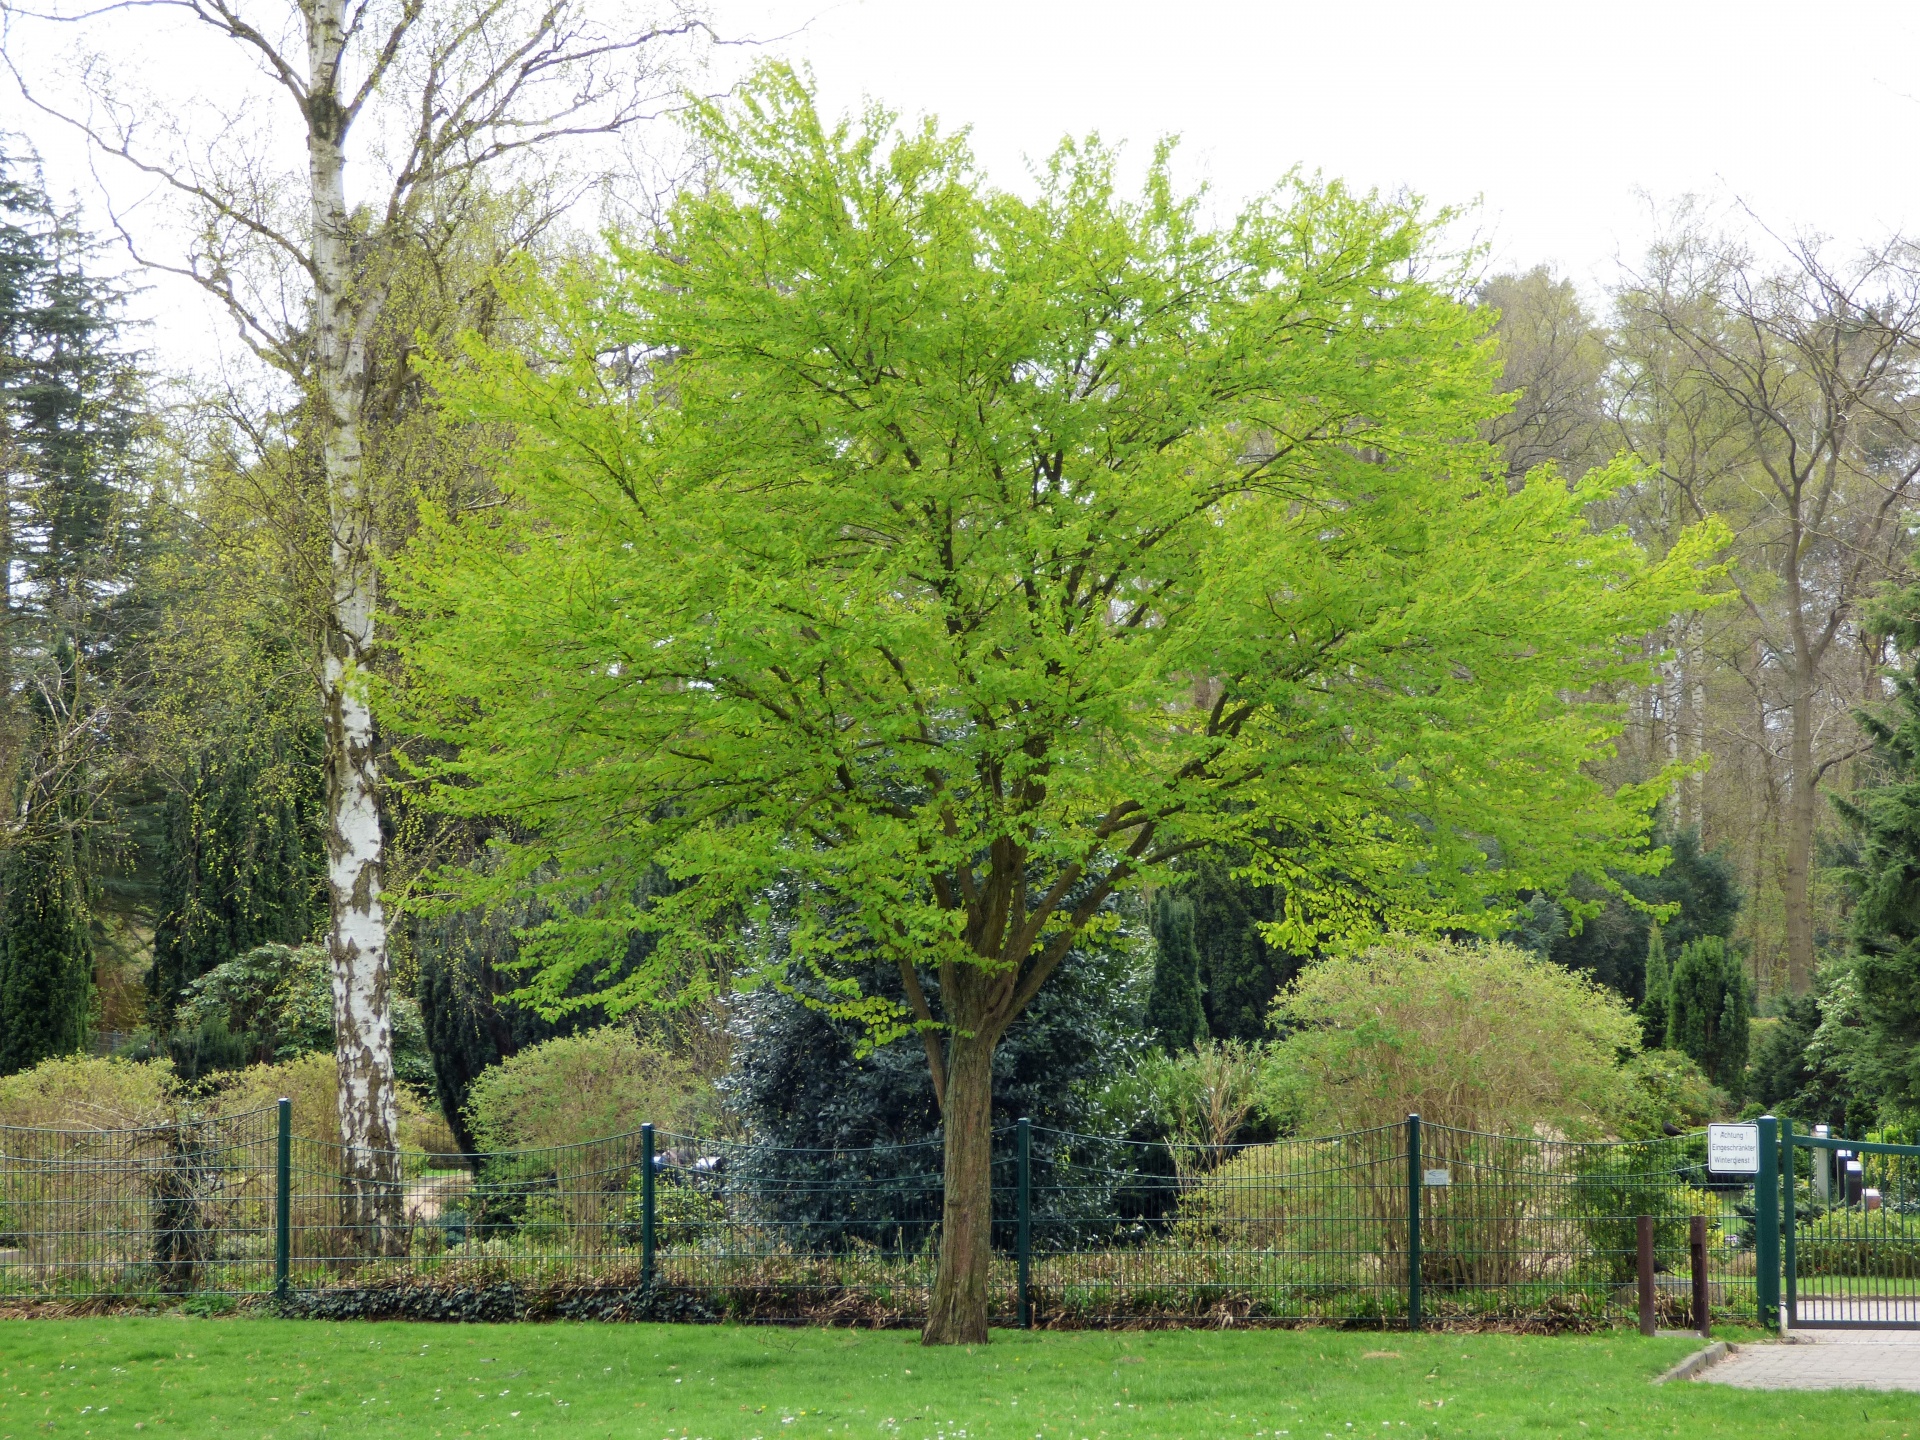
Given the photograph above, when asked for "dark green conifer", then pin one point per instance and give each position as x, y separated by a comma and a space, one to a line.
70, 542
1174, 1012
243, 858
1710, 1011
1884, 930
1659, 997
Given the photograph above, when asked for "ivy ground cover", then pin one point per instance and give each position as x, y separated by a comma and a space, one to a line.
176, 1376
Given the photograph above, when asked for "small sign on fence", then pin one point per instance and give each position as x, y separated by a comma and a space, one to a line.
1439, 1177
1733, 1149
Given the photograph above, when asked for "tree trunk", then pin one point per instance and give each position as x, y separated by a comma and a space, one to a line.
958, 1314
1797, 881
357, 933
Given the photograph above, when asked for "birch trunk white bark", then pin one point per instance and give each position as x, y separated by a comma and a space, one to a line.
357, 932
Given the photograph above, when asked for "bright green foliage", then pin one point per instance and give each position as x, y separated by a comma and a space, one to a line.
919, 568
1659, 992
1174, 1014
46, 955
1710, 1010
962, 560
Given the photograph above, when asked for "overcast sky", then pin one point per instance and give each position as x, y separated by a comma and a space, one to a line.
1568, 120
1558, 115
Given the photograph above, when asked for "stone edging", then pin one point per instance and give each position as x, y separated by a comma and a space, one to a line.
1695, 1363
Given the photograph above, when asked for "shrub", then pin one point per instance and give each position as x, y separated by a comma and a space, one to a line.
1613, 1185
275, 1003
1665, 1087
1484, 1037
311, 1082
78, 1093
589, 1086
1202, 1097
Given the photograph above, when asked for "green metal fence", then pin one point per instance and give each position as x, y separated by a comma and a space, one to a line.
1852, 1241
1398, 1226
176, 1209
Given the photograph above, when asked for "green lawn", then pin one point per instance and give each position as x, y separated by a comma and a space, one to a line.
170, 1375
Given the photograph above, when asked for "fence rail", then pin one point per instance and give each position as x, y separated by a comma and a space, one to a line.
1397, 1226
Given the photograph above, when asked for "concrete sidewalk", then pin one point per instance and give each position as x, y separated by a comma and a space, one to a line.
1825, 1360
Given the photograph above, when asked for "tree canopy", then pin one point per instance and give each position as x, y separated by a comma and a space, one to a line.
954, 561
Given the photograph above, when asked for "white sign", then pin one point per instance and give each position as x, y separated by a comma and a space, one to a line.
1733, 1149
1439, 1177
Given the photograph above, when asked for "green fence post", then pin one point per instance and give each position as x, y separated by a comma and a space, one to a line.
1766, 1225
646, 1207
1788, 1218
283, 1199
1414, 1181
1024, 1157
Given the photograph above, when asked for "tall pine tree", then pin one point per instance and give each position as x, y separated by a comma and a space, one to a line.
70, 541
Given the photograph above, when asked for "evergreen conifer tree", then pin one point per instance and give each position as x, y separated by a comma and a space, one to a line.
1708, 1014
1884, 930
46, 954
1174, 1012
1659, 982
70, 540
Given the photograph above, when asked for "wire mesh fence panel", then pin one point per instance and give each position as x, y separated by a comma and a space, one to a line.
1293, 1231
1522, 1228
1087, 1229
548, 1216
836, 1235
180, 1208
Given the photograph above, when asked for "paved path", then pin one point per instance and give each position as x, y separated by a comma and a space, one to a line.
1826, 1360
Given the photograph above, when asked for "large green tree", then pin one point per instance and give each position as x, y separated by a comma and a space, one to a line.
949, 562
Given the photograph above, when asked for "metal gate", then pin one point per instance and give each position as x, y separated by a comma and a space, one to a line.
1851, 1233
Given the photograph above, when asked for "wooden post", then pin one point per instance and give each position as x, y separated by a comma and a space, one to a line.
1649, 1321
1702, 1295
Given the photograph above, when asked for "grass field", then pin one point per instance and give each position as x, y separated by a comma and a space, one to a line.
174, 1376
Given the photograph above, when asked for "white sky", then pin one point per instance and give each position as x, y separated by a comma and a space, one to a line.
1563, 119
1556, 114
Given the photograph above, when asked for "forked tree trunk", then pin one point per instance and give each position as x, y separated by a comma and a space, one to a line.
357, 931
958, 1314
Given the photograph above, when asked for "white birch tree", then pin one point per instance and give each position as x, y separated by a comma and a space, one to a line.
367, 128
